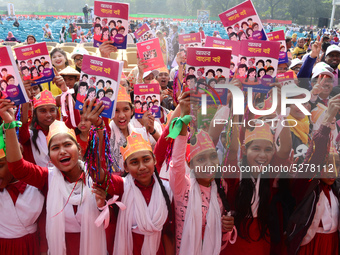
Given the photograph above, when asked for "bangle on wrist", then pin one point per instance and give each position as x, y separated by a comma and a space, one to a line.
153, 132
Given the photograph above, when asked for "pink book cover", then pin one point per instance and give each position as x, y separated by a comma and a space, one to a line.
279, 36
35, 63
215, 42
99, 78
143, 33
189, 40
258, 62
286, 78
207, 67
111, 23
11, 85
151, 52
243, 23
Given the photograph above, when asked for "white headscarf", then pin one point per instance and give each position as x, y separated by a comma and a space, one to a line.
147, 220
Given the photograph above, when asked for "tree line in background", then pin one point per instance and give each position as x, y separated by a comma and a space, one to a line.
304, 12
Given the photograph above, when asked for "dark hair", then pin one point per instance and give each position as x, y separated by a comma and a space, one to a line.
32, 69
250, 70
192, 68
114, 22
244, 23
55, 50
108, 81
101, 81
243, 58
85, 76
3, 69
210, 71
248, 29
32, 37
35, 60
243, 201
260, 70
232, 34
83, 84
243, 66
109, 90
221, 193
104, 30
98, 25
24, 68
113, 29
270, 68
268, 60
101, 90
211, 80
119, 21
260, 61
189, 77
40, 67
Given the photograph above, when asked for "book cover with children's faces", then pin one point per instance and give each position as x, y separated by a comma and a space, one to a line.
207, 67
99, 80
35, 63
147, 97
279, 36
189, 40
11, 85
258, 64
111, 23
144, 33
243, 23
215, 42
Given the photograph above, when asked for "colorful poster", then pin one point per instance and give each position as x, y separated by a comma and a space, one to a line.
189, 40
228, 44
11, 85
279, 36
151, 52
205, 68
144, 33
243, 23
35, 63
111, 23
99, 78
147, 97
258, 63
286, 78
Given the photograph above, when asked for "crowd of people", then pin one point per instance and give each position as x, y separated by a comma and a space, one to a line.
141, 186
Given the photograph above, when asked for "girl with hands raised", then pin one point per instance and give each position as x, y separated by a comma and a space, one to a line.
70, 205
200, 198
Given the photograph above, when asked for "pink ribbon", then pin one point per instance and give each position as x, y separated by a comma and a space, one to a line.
70, 105
104, 216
